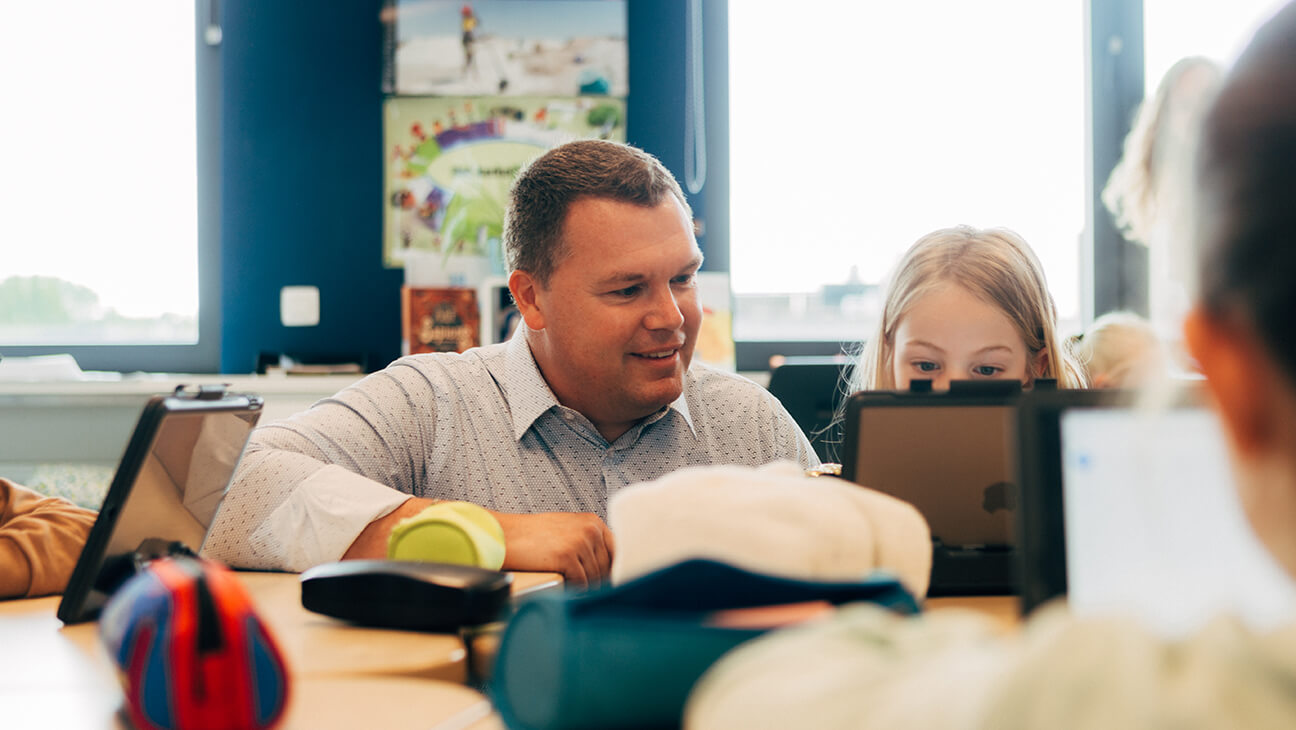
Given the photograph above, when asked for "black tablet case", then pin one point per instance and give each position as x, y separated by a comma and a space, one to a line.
100, 569
952, 454
1041, 529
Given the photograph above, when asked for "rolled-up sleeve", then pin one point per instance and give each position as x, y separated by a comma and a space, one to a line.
308, 485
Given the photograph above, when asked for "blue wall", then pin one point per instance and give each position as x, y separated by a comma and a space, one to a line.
301, 159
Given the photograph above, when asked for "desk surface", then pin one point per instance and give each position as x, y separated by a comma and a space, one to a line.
1004, 611
344, 676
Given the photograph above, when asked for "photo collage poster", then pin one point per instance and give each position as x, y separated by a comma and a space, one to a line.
475, 91
451, 160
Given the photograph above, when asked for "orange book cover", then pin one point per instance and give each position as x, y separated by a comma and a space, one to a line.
439, 320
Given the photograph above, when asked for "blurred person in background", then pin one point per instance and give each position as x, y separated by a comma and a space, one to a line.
1122, 350
1147, 191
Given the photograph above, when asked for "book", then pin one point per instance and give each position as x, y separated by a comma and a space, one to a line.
443, 319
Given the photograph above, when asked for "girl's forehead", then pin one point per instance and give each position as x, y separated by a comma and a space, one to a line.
950, 296
954, 314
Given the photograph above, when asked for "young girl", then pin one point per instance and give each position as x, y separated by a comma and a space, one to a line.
1122, 350
966, 304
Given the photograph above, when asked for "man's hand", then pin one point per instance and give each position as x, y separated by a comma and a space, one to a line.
576, 544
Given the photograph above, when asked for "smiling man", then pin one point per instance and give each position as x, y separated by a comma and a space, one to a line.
597, 390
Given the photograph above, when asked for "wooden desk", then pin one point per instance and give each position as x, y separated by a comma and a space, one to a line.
319, 646
1004, 611
344, 676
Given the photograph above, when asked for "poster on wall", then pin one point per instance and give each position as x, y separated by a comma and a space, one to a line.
715, 342
451, 160
506, 47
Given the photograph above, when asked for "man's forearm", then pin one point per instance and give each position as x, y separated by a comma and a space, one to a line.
372, 541
578, 545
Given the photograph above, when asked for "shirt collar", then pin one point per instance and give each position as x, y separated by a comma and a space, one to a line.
525, 390
681, 403
528, 394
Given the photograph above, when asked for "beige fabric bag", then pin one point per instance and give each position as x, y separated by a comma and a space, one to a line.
772, 519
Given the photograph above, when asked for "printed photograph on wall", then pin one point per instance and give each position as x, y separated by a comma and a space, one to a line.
506, 47
450, 162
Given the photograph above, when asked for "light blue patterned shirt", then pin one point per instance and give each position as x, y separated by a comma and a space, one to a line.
481, 426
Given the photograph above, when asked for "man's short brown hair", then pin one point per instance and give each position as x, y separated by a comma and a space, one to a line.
545, 190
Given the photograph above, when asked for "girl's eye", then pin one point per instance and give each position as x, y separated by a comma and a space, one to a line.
988, 371
925, 366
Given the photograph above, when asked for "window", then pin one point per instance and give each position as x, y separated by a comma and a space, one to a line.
855, 128
1173, 31
100, 249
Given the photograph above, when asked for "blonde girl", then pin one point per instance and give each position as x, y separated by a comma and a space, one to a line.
1122, 350
966, 304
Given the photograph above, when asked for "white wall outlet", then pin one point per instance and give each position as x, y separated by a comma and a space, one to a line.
299, 306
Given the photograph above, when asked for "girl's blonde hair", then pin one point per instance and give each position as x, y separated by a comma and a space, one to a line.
994, 264
1122, 350
1147, 183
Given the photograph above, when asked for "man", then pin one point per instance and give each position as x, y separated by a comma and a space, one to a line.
596, 390
40, 540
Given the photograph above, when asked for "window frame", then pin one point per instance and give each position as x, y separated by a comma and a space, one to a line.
1117, 270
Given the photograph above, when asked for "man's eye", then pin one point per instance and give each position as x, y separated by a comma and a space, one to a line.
684, 279
925, 366
627, 292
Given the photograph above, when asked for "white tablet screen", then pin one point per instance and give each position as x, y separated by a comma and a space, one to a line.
1154, 526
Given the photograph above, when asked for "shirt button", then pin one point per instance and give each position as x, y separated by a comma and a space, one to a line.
569, 417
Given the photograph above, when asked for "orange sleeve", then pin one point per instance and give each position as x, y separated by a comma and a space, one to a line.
40, 540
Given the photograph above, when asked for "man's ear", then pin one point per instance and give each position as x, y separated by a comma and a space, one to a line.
526, 294
1238, 375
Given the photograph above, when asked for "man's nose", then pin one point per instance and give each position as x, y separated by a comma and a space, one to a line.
664, 311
